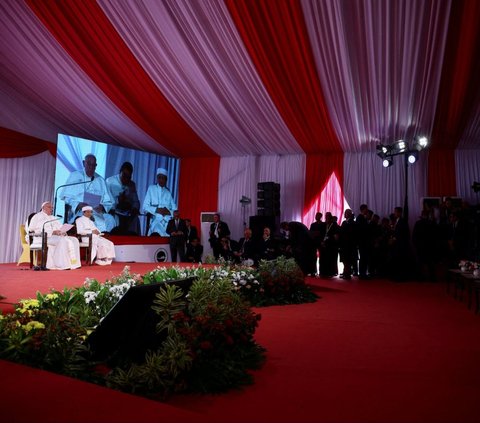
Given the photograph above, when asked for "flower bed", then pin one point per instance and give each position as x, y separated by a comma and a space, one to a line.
205, 338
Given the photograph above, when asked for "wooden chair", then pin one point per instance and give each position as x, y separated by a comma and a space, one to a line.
38, 249
25, 257
85, 241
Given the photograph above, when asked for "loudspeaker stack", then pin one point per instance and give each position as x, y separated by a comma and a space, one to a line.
268, 199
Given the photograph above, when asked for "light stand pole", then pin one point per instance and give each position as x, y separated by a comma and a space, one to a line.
405, 201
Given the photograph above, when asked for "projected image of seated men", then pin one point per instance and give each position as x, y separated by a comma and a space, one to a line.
93, 192
126, 203
160, 204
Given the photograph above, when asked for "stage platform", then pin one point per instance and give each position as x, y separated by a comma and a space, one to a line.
147, 249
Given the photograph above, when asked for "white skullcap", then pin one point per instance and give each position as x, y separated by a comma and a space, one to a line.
45, 203
162, 171
87, 208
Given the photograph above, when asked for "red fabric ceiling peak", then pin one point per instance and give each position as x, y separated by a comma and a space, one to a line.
16, 144
457, 96
88, 36
276, 38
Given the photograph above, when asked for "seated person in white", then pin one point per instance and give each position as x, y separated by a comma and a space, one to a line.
102, 249
63, 251
159, 202
88, 188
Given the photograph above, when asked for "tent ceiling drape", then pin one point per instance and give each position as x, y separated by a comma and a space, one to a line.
215, 80
242, 77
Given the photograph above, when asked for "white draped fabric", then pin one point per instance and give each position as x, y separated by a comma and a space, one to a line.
26, 183
63, 100
239, 177
194, 54
468, 171
384, 69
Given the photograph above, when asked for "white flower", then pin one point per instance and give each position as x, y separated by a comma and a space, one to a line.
90, 296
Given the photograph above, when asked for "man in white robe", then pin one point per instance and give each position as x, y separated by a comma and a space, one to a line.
160, 204
102, 249
90, 189
63, 251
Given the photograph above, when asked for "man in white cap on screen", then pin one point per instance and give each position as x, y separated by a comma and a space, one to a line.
63, 251
103, 249
160, 204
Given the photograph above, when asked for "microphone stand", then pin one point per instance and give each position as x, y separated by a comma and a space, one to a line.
44, 262
67, 185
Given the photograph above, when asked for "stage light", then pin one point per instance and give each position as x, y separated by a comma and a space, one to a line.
387, 162
412, 157
399, 147
382, 151
421, 143
476, 186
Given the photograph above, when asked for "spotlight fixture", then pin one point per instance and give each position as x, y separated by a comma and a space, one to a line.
387, 161
421, 143
399, 147
412, 156
245, 200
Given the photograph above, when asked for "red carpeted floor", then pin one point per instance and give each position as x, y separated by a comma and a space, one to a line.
367, 351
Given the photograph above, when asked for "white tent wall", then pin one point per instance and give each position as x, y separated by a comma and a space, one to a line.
467, 164
382, 189
26, 183
239, 177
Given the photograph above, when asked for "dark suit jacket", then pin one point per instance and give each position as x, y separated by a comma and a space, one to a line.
172, 228
194, 254
223, 230
193, 233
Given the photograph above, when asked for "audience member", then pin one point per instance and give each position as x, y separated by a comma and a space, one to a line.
63, 251
126, 205
194, 251
90, 189
348, 243
266, 249
160, 204
245, 250
176, 229
329, 248
102, 249
191, 231
218, 230
302, 247
425, 242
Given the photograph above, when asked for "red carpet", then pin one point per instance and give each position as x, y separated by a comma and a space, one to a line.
367, 351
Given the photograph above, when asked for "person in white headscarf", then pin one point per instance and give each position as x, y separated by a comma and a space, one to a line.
89, 189
160, 204
63, 251
103, 250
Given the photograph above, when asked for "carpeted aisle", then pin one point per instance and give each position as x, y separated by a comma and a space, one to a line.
367, 351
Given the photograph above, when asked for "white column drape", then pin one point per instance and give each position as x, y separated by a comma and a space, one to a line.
26, 183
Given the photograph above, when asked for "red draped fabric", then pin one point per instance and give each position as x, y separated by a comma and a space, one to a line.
457, 95
198, 188
277, 40
15, 144
320, 168
88, 36
275, 35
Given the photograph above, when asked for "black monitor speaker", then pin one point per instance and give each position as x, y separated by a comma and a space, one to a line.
129, 328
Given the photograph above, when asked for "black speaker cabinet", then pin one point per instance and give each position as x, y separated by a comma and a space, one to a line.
268, 199
129, 328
